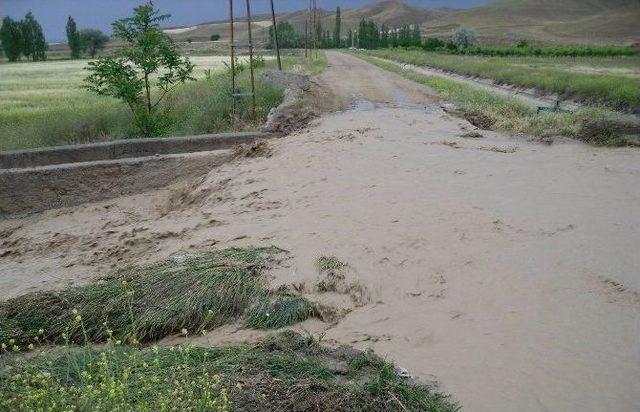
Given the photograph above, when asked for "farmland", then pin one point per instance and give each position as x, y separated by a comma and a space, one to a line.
613, 81
44, 104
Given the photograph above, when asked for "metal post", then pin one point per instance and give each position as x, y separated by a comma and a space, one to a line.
233, 67
275, 35
253, 84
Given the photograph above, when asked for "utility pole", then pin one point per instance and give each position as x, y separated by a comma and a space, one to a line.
253, 83
275, 35
315, 28
306, 38
233, 67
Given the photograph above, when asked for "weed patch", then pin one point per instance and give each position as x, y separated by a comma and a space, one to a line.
287, 371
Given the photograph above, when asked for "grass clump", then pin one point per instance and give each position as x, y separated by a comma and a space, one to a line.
187, 294
287, 371
277, 313
491, 111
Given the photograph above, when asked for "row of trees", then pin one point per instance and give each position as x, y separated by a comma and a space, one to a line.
290, 38
368, 35
23, 38
88, 41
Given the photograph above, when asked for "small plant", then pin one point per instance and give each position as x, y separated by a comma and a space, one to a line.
237, 66
149, 56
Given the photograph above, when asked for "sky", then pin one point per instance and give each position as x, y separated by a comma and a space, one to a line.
52, 14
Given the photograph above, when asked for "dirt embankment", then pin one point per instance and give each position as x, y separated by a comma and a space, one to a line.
505, 269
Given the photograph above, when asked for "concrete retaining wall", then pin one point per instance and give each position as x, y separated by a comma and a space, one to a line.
120, 149
29, 190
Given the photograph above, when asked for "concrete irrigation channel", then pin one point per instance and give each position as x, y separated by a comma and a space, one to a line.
40, 179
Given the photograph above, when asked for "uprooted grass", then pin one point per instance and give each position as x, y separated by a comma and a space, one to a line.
191, 292
330, 263
491, 111
287, 371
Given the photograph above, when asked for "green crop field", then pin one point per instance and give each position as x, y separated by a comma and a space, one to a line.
611, 81
43, 104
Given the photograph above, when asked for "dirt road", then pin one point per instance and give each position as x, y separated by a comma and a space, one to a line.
507, 270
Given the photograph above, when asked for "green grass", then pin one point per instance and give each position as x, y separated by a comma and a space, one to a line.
43, 104
192, 294
613, 81
508, 114
286, 371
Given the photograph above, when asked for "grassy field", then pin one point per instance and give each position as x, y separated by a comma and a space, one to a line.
64, 370
613, 81
491, 111
43, 104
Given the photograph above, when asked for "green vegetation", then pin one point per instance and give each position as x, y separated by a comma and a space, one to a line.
186, 294
490, 111
23, 37
311, 66
287, 371
523, 49
561, 76
149, 56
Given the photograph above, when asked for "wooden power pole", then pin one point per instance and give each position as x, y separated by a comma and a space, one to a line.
233, 66
275, 35
253, 83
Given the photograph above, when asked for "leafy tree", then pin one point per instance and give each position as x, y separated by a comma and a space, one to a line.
350, 38
288, 38
92, 41
148, 54
416, 37
522, 44
384, 36
28, 35
11, 37
34, 44
464, 38
214, 37
337, 31
73, 38
40, 45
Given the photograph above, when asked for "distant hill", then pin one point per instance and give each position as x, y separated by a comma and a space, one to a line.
501, 21
553, 21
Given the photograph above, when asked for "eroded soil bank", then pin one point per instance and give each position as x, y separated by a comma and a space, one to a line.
505, 269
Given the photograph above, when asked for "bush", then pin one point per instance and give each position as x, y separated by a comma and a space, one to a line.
214, 37
464, 38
